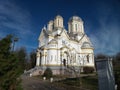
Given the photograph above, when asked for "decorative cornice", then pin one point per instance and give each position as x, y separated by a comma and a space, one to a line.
88, 48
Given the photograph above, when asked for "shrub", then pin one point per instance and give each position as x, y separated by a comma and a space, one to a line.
48, 73
88, 69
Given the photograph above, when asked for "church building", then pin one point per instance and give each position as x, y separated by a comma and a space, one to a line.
60, 48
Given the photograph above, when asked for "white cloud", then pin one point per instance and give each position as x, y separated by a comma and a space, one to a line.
107, 38
14, 18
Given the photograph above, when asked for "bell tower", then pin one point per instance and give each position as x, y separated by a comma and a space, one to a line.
58, 22
75, 25
50, 25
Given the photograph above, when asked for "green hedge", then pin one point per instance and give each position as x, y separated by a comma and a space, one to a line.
48, 73
88, 69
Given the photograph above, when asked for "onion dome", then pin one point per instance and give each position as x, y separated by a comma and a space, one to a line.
75, 18
59, 16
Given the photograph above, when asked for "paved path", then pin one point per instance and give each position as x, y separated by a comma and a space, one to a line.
32, 83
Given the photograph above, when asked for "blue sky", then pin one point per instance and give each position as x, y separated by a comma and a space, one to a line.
25, 19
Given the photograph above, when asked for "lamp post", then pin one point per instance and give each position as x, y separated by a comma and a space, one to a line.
14, 40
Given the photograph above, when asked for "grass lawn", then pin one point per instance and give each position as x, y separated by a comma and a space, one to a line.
90, 82
83, 83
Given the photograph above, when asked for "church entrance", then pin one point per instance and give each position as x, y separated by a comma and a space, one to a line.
64, 62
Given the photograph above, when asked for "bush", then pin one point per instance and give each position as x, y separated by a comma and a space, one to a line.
88, 69
48, 73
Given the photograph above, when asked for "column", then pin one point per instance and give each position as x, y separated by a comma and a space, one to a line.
43, 62
38, 59
93, 58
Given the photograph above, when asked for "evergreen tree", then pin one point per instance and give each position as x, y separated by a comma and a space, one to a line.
32, 59
9, 65
22, 57
118, 56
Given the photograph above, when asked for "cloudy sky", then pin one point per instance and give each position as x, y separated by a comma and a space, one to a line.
25, 19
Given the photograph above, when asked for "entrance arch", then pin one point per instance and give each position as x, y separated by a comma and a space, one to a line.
64, 62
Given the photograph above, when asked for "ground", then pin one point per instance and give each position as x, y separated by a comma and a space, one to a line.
33, 83
37, 83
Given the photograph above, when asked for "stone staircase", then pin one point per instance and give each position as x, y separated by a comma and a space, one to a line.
34, 71
71, 71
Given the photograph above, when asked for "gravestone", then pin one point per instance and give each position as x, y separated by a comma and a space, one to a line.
105, 74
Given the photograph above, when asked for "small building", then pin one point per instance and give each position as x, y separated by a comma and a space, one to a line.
60, 48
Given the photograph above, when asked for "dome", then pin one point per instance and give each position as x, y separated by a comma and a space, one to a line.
77, 18
58, 16
86, 45
51, 21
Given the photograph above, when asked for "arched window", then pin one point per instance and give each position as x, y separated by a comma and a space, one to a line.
76, 27
58, 22
87, 58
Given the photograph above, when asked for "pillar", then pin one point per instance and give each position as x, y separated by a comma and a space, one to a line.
38, 59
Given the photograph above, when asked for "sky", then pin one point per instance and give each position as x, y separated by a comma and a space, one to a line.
25, 19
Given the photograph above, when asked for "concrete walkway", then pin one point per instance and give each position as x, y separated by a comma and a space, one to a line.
32, 83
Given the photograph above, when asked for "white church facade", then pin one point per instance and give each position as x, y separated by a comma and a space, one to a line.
59, 48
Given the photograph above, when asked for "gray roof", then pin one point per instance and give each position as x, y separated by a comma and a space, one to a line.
86, 45
77, 18
42, 47
53, 41
47, 32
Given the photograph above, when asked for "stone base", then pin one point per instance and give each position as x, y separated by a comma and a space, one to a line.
64, 70
57, 70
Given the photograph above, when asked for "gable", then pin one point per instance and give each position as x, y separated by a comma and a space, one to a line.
85, 39
64, 35
42, 36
